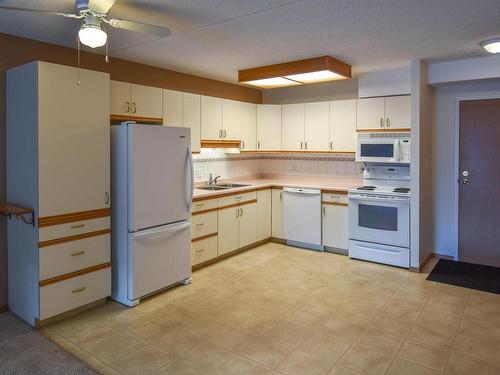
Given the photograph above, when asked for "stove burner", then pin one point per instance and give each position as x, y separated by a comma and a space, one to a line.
366, 188
401, 190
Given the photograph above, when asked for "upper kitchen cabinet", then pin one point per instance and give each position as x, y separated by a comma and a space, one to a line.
316, 126
191, 118
370, 114
268, 127
343, 125
292, 127
136, 102
231, 119
172, 108
398, 112
384, 114
211, 118
248, 126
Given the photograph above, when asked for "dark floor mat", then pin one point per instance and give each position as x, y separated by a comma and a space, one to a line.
467, 275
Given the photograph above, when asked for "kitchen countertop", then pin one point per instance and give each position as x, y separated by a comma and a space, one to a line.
269, 181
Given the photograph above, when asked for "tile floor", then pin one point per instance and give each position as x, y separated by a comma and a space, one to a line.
281, 310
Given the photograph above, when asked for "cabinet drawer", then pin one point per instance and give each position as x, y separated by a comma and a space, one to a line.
237, 198
335, 198
203, 250
204, 205
204, 224
73, 229
73, 256
75, 292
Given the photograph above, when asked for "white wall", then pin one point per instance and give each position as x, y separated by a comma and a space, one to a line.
445, 180
336, 90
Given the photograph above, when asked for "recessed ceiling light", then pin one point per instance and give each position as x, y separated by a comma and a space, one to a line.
312, 77
491, 45
270, 83
292, 73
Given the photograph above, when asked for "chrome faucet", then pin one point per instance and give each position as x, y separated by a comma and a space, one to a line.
212, 180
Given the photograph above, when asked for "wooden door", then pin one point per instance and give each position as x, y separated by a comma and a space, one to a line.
231, 120
120, 98
277, 213
73, 149
268, 127
248, 126
211, 118
292, 127
247, 224
343, 125
263, 214
191, 118
316, 126
398, 112
370, 114
227, 227
479, 210
146, 101
172, 108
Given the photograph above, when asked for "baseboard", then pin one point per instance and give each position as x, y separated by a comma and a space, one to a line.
278, 240
4, 308
442, 256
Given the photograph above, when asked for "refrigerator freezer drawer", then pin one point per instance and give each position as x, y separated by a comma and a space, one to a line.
395, 256
158, 257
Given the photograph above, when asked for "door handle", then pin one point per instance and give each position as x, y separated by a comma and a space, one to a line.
388, 122
242, 145
106, 198
135, 107
465, 179
258, 145
237, 212
128, 107
225, 133
331, 145
220, 133
305, 145
324, 210
301, 145
381, 122
241, 212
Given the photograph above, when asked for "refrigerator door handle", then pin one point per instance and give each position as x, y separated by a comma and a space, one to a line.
163, 229
190, 191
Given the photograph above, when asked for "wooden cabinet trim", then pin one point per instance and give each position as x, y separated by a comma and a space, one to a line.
305, 152
204, 237
385, 130
71, 275
238, 204
204, 211
335, 203
48, 221
343, 192
220, 144
141, 120
77, 237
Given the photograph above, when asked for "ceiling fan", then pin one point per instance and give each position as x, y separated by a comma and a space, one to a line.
94, 16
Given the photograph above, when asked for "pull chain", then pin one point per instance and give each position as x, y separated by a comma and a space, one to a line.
106, 59
78, 82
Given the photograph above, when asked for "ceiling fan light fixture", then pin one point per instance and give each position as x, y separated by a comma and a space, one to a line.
92, 35
491, 45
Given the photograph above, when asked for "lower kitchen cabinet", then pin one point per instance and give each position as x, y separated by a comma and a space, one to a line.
335, 221
277, 213
227, 223
264, 212
247, 224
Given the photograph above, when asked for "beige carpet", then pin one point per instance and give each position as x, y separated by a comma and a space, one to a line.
24, 350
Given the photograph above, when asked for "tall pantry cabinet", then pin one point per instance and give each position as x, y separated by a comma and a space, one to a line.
58, 164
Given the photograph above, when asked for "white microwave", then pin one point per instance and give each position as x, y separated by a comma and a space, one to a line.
383, 149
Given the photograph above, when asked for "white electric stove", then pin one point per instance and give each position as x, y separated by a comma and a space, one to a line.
379, 216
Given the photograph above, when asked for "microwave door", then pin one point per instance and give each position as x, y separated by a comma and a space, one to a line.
377, 151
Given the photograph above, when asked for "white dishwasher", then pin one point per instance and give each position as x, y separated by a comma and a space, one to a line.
302, 217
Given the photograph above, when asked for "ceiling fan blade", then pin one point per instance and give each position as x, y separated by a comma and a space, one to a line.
99, 6
158, 31
41, 11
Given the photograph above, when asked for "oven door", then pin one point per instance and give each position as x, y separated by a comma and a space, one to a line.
377, 150
379, 220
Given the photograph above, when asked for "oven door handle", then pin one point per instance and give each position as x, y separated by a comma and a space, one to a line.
379, 199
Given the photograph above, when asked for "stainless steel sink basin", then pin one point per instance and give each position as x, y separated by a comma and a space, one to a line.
229, 186
212, 187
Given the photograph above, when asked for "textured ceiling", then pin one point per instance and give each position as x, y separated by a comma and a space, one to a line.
216, 38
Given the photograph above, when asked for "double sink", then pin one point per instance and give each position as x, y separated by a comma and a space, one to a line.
221, 186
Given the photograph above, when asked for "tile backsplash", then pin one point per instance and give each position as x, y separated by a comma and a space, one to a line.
230, 166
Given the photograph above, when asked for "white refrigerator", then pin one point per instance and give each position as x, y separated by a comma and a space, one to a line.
152, 190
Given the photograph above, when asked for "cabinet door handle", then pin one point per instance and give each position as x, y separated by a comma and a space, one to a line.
78, 290
225, 133
242, 145
258, 145
305, 145
128, 107
77, 253
77, 226
199, 225
106, 198
388, 122
135, 107
220, 133
381, 122
331, 145
200, 250
237, 212
281, 195
301, 144
200, 205
324, 210
241, 211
